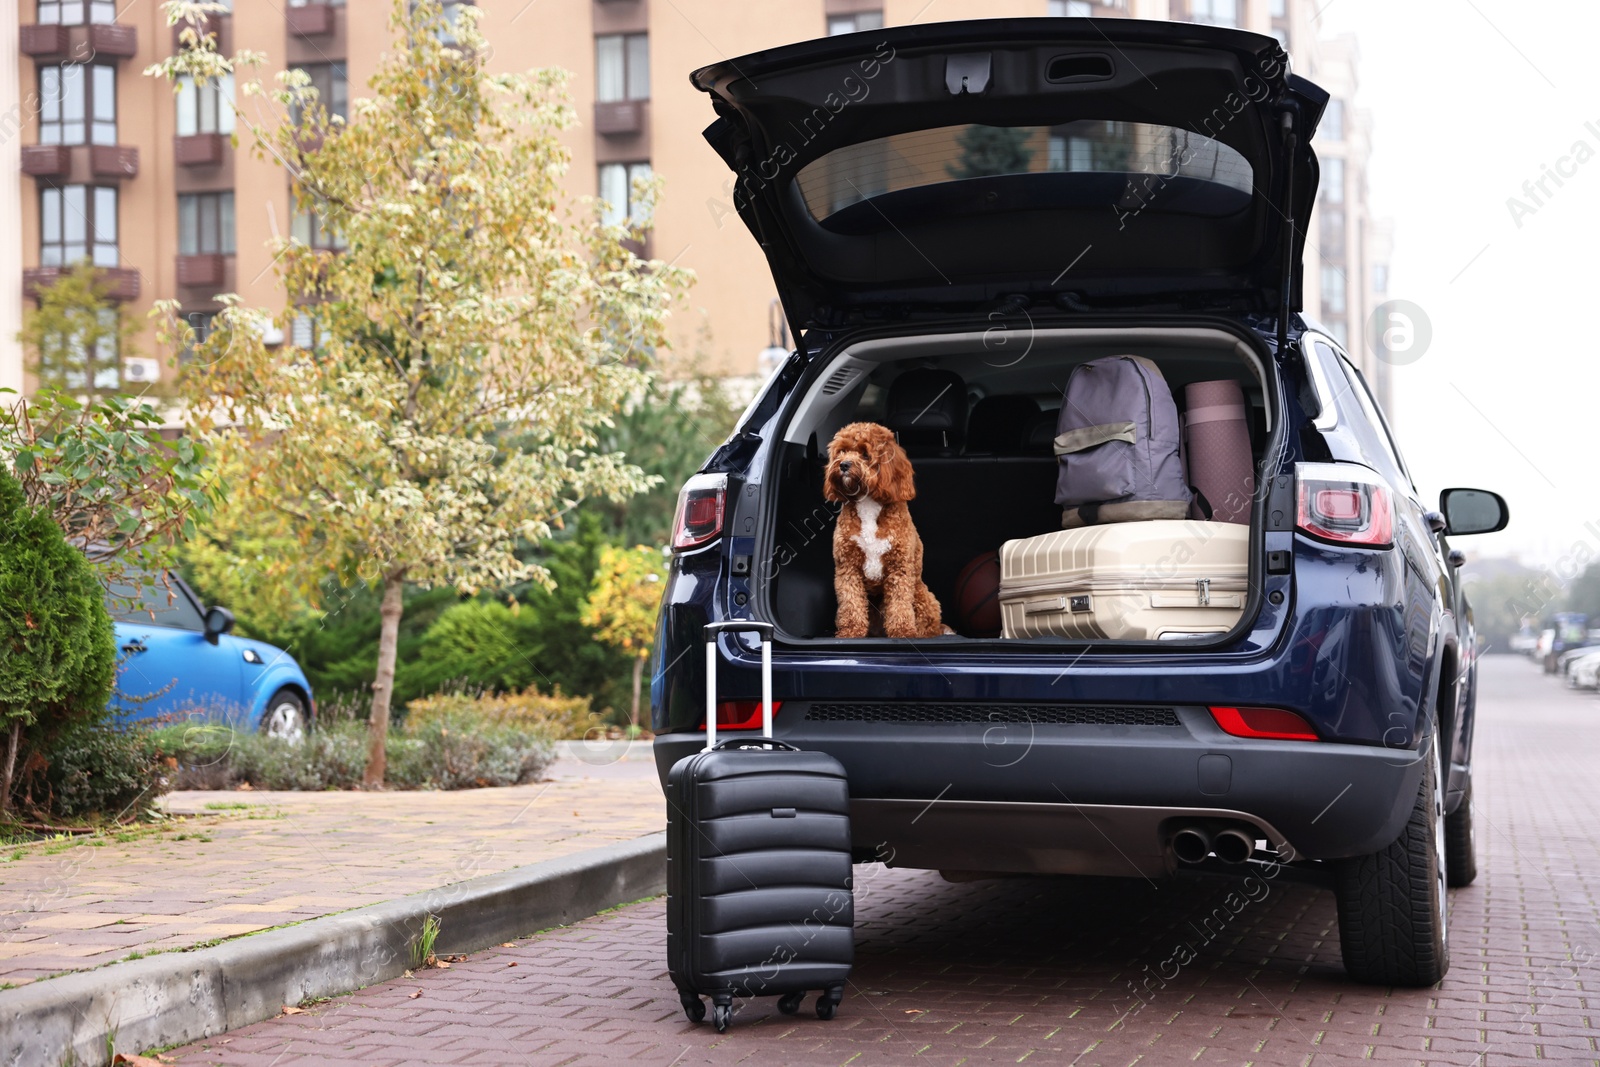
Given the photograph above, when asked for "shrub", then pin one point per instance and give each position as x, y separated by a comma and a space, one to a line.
57, 649
95, 769
554, 715
452, 742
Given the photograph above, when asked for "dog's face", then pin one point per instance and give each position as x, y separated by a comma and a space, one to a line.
864, 459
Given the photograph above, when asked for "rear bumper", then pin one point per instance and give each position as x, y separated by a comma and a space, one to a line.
1094, 799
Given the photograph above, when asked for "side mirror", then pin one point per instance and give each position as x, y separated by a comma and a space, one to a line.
218, 622
1473, 511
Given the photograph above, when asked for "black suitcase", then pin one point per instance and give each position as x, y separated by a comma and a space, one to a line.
758, 866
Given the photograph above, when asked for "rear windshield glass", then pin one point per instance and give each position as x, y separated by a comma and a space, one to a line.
952, 153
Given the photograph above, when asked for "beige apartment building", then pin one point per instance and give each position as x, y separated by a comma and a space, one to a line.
103, 163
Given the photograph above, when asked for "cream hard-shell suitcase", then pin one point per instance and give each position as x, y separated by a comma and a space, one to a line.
1132, 581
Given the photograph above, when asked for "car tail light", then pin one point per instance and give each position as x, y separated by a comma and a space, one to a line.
741, 714
1270, 724
700, 508
1345, 503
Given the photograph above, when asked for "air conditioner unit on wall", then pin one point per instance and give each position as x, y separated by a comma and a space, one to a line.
141, 369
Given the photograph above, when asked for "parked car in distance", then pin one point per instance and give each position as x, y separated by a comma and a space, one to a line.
1584, 671
1570, 630
178, 657
997, 203
1565, 659
1525, 642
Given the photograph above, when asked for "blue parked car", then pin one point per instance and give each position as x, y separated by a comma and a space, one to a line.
175, 656
956, 216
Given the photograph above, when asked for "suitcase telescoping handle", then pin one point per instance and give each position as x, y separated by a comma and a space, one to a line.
737, 626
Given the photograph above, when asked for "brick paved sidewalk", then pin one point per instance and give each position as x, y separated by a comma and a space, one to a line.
246, 861
1044, 970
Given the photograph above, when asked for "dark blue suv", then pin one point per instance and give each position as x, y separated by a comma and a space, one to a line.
956, 216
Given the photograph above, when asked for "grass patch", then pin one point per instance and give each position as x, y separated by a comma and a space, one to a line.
422, 950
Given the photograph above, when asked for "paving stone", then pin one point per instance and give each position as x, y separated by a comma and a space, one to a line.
1044, 971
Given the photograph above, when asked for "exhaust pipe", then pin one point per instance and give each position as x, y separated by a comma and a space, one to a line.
1233, 845
1191, 844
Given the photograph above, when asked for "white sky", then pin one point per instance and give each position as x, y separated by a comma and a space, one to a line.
1470, 99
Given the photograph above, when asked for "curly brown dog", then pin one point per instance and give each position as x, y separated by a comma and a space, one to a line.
877, 555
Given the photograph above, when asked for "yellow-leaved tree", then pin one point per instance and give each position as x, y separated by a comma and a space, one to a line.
462, 334
622, 606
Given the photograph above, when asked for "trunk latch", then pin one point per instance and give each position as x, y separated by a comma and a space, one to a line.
1202, 589
966, 74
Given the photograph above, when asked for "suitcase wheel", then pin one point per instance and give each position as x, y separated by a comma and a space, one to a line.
828, 1002
789, 1003
693, 1007
721, 1016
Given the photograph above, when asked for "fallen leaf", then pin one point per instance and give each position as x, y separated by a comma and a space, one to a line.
243, 787
414, 996
442, 965
290, 1009
513, 963
508, 944
915, 1011
407, 974
137, 1061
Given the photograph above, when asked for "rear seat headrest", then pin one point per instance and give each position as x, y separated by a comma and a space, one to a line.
999, 425
928, 410
1042, 433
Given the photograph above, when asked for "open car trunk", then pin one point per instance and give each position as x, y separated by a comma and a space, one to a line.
980, 441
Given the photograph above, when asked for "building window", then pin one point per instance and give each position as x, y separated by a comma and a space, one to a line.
1280, 35
78, 222
1333, 120
1072, 9
452, 13
622, 67
1278, 9
1332, 232
1332, 291
83, 357
1337, 330
333, 89
205, 224
1214, 12
856, 23
208, 109
622, 204
313, 231
78, 104
77, 12
1333, 180
1092, 146
1380, 277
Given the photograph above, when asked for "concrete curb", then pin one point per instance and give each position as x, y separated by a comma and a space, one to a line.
177, 997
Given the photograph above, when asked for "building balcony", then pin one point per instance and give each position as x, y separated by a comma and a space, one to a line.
114, 161
79, 44
206, 269
200, 149
121, 283
46, 160
311, 20
81, 163
621, 118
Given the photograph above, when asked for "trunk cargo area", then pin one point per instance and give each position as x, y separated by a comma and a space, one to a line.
978, 423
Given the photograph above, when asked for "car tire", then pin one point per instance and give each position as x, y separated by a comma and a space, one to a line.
1461, 843
285, 716
1392, 904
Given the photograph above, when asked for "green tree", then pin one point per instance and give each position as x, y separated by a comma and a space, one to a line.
622, 606
57, 652
77, 337
104, 473
668, 430
464, 306
990, 150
